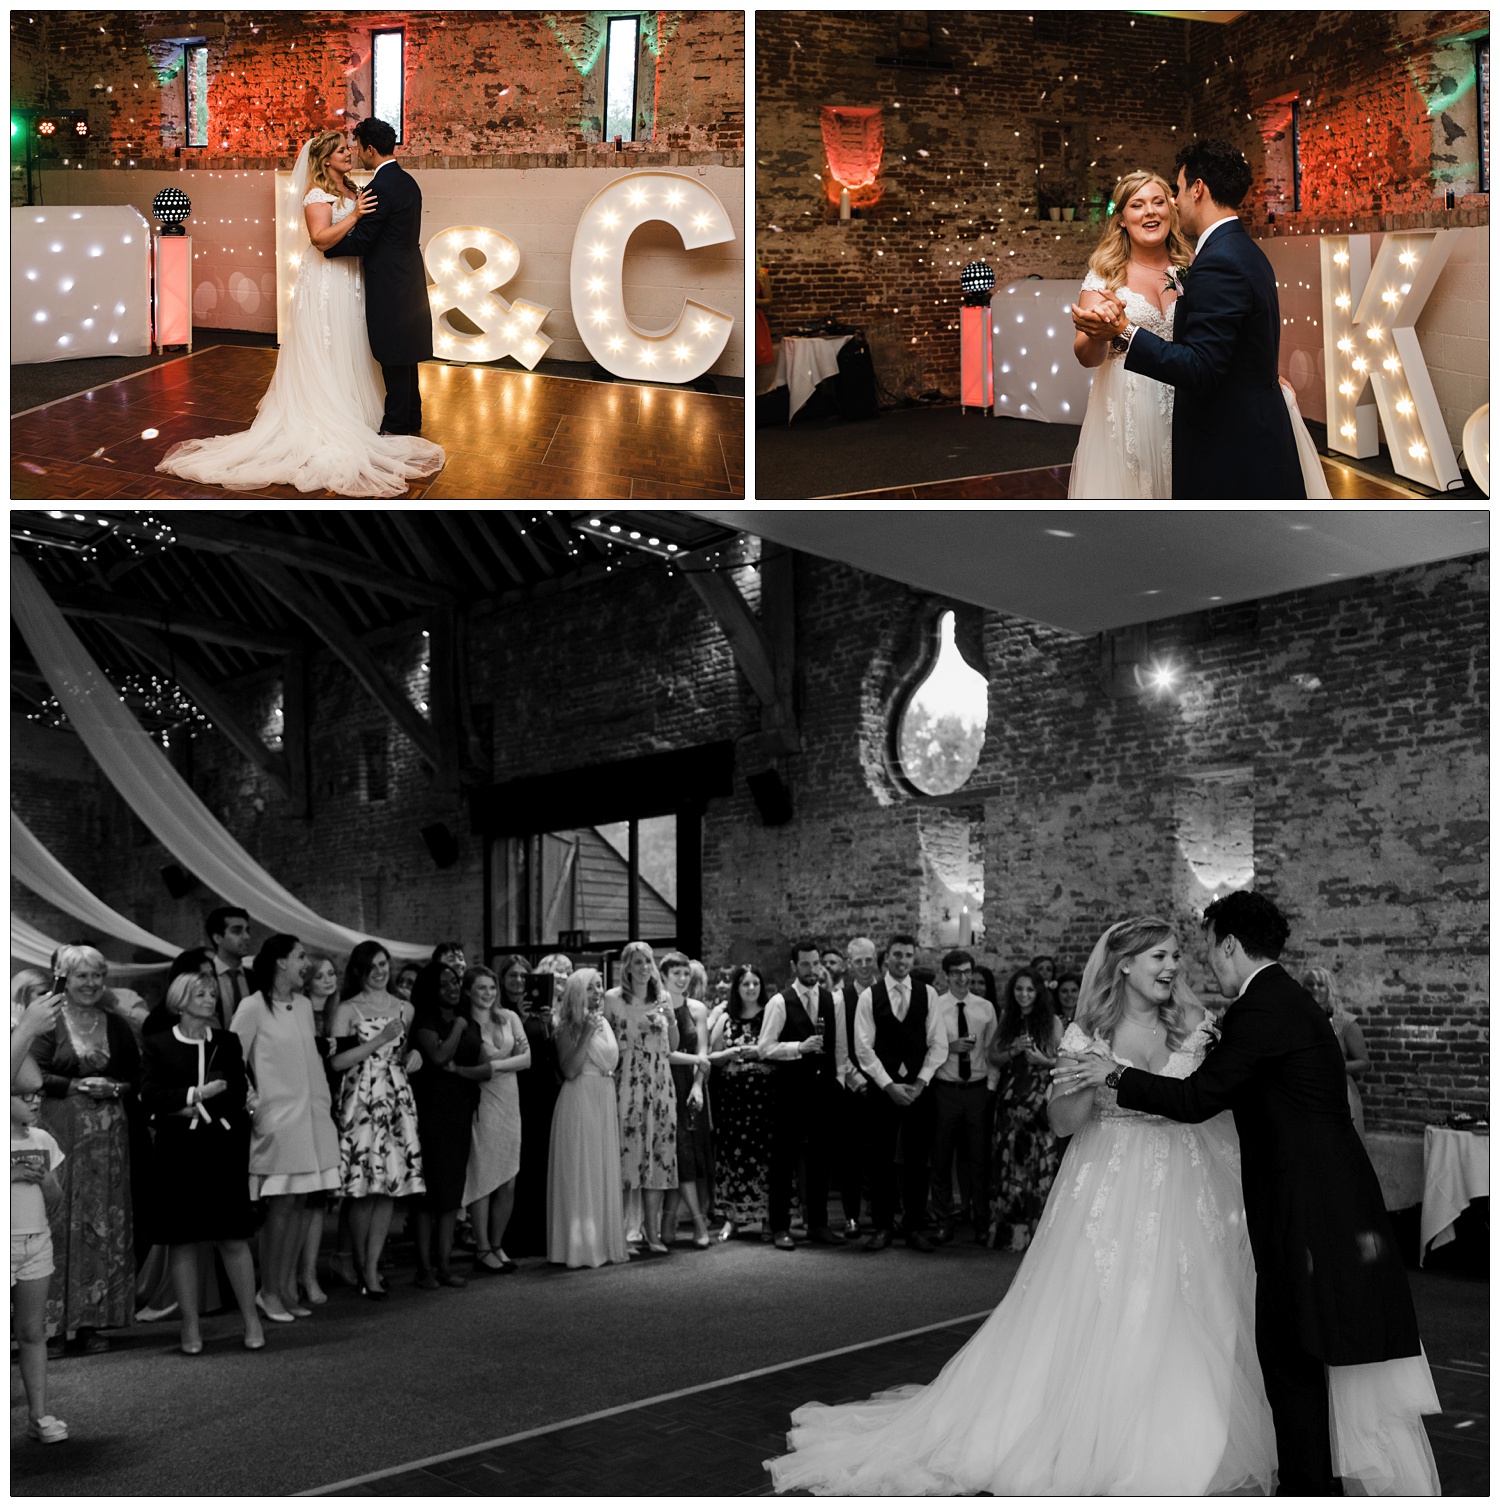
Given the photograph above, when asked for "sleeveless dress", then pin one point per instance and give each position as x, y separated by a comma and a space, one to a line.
585, 1212
1121, 1361
695, 1154
742, 1129
317, 427
1025, 1153
648, 1101
495, 1145
380, 1151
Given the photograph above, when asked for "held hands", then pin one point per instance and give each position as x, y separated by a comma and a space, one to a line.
365, 203
1101, 321
903, 1095
1074, 1073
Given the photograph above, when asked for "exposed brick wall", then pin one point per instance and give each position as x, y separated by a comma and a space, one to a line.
481, 87
1366, 795
1368, 77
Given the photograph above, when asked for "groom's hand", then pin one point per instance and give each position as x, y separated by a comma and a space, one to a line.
1101, 321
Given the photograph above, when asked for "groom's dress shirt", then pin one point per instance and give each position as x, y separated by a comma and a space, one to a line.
899, 991
772, 1047
1249, 980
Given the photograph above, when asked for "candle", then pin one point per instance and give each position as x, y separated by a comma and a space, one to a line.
843, 204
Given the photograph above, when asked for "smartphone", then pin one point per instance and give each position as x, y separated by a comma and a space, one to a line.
539, 988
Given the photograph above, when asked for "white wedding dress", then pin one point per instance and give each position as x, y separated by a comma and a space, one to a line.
317, 427
1122, 1360
1125, 444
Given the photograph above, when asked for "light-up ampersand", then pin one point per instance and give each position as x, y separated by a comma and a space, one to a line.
695, 341
1370, 342
468, 263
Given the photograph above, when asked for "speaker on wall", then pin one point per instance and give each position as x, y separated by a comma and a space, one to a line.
772, 799
178, 881
442, 844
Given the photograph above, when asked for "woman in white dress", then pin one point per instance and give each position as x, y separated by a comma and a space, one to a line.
1125, 444
317, 427
1122, 1359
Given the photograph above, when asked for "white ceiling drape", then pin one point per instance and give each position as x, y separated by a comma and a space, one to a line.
35, 948
136, 766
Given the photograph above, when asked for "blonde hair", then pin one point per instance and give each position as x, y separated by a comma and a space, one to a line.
1101, 1000
655, 989
1112, 255
573, 1008
319, 174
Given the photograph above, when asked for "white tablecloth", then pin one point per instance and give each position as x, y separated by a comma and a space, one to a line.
802, 363
1455, 1171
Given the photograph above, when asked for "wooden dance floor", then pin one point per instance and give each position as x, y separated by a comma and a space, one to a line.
508, 434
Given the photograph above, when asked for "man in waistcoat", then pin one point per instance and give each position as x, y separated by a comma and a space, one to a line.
797, 1036
900, 1043
228, 932
856, 1094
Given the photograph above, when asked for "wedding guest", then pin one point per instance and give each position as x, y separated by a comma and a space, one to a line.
900, 1043
34, 1193
797, 1034
537, 1088
1319, 983
228, 930
25, 986
1045, 969
697, 987
322, 995
1068, 985
495, 1143
960, 1089
695, 1156
585, 1215
90, 1073
450, 955
983, 984
294, 1148
742, 1107
193, 1086
833, 966
854, 1104
640, 1014
401, 984
197, 961
560, 966
380, 1148
447, 1094
1025, 1154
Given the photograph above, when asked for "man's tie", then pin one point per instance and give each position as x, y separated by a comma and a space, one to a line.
963, 1030
236, 979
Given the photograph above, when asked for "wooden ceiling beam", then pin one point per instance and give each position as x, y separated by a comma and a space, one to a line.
106, 607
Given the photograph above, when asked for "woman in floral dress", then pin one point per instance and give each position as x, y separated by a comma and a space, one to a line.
742, 1104
640, 1013
1026, 1152
380, 1154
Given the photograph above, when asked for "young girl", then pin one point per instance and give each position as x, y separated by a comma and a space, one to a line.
34, 1193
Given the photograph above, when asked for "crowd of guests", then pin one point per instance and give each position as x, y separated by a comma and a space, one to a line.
268, 1102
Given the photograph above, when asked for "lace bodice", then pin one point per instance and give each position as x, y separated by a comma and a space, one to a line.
342, 208
1139, 310
1180, 1064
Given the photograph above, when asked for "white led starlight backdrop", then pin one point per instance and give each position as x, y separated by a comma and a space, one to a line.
80, 283
1037, 376
1370, 341
504, 329
696, 340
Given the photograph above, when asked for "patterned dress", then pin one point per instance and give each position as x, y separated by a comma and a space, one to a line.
695, 1152
742, 1129
647, 1098
1026, 1153
380, 1152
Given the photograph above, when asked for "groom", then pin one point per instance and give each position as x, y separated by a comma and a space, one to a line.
397, 315
1231, 430
1330, 1289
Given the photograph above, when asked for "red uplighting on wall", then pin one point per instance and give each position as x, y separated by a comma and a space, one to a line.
854, 140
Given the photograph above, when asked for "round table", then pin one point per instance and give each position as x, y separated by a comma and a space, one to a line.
1455, 1171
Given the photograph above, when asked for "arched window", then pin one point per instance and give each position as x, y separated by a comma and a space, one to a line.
940, 728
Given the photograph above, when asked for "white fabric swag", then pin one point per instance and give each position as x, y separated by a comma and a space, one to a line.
35, 948
43, 875
136, 766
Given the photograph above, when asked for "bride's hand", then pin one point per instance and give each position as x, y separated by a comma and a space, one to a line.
365, 203
1097, 322
1073, 1072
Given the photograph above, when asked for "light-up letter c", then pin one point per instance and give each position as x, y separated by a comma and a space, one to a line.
504, 329
688, 347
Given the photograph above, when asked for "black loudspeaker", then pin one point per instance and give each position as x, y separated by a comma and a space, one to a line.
772, 799
178, 881
442, 844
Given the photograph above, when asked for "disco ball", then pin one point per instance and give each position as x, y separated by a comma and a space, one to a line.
977, 281
171, 206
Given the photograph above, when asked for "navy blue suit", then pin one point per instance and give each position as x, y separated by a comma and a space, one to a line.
1231, 431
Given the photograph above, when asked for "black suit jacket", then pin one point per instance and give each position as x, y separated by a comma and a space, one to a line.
1231, 431
1325, 1255
397, 313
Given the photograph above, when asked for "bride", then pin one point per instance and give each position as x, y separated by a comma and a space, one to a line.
1122, 1359
1125, 444
317, 426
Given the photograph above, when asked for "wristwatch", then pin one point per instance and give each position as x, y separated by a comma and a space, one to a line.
1113, 1080
1119, 344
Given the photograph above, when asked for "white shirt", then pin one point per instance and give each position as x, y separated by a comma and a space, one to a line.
1246, 984
979, 1016
772, 1047
900, 991
386, 163
1203, 239
845, 1065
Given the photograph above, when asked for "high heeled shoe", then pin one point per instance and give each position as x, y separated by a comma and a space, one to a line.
276, 1316
374, 1294
191, 1347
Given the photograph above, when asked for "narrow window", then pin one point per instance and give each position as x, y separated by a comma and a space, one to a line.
619, 77
195, 83
373, 748
1482, 73
388, 79
1296, 156
940, 730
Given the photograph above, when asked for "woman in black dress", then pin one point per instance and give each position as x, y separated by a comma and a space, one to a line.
538, 1087
695, 1155
193, 1087
446, 1088
742, 1106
